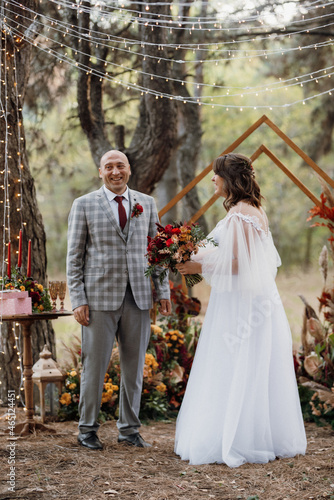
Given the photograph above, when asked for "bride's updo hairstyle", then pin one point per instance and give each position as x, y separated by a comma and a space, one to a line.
240, 184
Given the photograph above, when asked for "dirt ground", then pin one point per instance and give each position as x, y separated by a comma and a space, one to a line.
53, 466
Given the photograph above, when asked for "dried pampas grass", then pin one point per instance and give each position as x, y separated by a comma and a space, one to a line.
323, 263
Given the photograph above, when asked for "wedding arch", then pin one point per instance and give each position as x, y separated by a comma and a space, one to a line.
261, 149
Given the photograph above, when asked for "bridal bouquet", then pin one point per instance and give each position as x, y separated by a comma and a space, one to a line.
172, 245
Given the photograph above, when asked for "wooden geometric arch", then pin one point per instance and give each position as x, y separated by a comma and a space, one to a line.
255, 155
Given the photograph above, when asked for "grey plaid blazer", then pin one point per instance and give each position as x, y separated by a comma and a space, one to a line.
101, 260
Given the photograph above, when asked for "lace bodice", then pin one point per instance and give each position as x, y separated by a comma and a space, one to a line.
255, 216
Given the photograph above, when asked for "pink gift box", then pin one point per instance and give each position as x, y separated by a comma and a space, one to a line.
13, 294
15, 302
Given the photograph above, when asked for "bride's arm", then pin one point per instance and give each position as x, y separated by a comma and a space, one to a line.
189, 267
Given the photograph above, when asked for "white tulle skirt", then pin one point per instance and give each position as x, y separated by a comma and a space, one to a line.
241, 403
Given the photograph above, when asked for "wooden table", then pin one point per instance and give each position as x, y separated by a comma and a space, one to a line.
26, 320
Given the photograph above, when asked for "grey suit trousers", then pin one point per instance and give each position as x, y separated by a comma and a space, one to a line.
131, 326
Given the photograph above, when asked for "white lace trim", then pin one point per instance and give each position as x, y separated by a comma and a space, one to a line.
251, 219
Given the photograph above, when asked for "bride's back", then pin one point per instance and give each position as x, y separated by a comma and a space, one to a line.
244, 208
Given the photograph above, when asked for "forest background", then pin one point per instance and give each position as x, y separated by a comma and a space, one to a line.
283, 56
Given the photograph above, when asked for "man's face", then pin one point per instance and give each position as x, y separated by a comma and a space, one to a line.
115, 171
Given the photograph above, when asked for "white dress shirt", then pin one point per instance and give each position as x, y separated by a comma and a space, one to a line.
114, 205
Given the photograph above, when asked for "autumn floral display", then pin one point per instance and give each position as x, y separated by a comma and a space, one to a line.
69, 399
137, 210
325, 212
39, 295
166, 370
172, 245
315, 364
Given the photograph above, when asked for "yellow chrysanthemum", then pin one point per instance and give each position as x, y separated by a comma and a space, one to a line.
41, 308
161, 387
40, 287
106, 396
156, 329
185, 237
147, 372
73, 373
65, 399
115, 387
72, 386
174, 337
22, 288
150, 361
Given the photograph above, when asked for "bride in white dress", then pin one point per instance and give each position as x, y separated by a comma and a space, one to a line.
241, 403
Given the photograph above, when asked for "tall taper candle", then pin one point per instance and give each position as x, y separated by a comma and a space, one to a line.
9, 262
19, 259
29, 260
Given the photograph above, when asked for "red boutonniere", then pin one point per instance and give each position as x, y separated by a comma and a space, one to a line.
137, 210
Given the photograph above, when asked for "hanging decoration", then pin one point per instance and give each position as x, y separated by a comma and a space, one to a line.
61, 51
48, 44
8, 258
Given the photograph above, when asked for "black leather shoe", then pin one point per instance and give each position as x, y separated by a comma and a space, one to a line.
89, 440
134, 439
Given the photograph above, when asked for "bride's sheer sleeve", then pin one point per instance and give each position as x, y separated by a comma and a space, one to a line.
245, 258
208, 248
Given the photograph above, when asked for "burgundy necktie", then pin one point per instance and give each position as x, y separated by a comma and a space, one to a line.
121, 211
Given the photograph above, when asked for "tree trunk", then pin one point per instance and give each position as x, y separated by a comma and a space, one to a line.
18, 207
189, 126
165, 191
321, 144
153, 140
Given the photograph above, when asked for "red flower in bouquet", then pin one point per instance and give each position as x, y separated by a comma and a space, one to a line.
172, 245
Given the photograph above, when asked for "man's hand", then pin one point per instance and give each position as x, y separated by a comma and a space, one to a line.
165, 307
81, 314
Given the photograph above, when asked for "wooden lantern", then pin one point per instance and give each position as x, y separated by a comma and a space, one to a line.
46, 371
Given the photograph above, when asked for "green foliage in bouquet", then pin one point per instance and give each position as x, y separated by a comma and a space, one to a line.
39, 295
315, 366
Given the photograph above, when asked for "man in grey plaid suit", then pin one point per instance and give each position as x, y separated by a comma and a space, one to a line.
110, 296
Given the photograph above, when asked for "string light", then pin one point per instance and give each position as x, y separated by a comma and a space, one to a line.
19, 124
253, 53
155, 76
134, 86
188, 20
5, 89
99, 38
